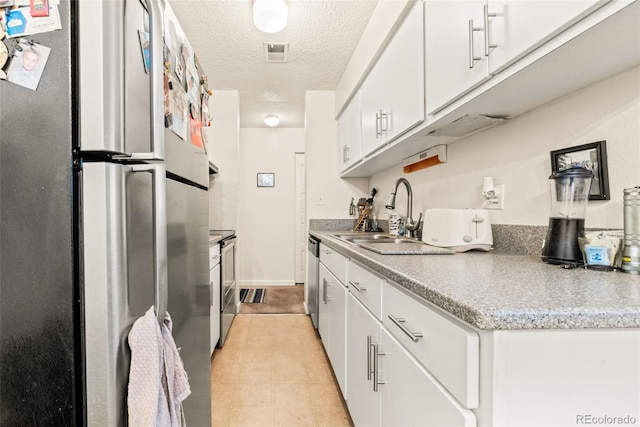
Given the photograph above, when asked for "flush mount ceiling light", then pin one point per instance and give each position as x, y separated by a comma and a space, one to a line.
270, 16
271, 120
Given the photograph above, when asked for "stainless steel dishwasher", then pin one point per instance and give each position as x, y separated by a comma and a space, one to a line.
312, 291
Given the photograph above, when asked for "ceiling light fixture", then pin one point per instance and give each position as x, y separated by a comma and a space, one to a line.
271, 120
270, 16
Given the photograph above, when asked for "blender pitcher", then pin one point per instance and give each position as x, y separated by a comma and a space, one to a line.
569, 196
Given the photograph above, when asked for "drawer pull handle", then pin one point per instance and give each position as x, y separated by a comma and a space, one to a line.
357, 287
369, 346
376, 372
398, 321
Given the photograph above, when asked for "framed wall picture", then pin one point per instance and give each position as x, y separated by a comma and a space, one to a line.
266, 180
591, 156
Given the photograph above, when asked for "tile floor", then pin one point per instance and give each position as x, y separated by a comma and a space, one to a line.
273, 371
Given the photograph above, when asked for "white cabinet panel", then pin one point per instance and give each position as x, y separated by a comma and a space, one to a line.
366, 287
335, 262
214, 278
372, 99
467, 42
338, 334
450, 46
553, 377
324, 278
411, 396
332, 323
362, 333
392, 95
214, 284
404, 74
447, 349
520, 26
349, 133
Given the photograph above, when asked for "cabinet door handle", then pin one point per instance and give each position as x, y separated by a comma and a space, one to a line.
378, 119
326, 251
357, 286
398, 321
324, 291
376, 378
384, 116
327, 285
487, 44
369, 347
472, 58
345, 154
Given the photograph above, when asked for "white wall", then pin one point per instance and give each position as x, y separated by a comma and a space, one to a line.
516, 153
266, 251
328, 195
223, 143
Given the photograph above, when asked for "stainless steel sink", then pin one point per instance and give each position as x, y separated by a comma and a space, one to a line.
388, 244
361, 238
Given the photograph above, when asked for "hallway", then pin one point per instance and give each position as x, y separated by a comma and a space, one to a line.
273, 371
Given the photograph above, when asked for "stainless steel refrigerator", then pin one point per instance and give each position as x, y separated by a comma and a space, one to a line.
103, 213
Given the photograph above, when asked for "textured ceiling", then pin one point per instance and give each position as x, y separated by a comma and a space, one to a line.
322, 35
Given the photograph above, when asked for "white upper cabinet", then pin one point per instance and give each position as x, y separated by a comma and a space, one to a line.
467, 42
518, 27
404, 74
349, 128
454, 54
372, 100
392, 95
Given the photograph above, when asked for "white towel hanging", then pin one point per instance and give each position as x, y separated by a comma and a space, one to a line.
158, 383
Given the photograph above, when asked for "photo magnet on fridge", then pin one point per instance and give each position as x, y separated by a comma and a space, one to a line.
27, 64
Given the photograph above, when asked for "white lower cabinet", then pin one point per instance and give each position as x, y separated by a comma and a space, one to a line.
448, 348
214, 284
332, 323
401, 361
363, 334
387, 386
410, 395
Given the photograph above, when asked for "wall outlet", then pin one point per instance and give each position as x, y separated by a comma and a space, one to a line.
497, 202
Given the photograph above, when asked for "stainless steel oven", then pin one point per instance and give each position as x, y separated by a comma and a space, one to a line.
228, 289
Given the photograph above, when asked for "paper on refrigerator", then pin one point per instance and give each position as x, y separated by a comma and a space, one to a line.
19, 21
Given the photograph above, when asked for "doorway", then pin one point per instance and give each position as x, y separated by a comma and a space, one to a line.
300, 215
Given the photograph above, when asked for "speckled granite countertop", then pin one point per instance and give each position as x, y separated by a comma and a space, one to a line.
504, 291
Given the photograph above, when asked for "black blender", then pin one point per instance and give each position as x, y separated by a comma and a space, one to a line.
569, 196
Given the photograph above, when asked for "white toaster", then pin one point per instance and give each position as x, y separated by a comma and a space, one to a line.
459, 229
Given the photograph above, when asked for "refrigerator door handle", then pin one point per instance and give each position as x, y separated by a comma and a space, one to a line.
160, 278
156, 85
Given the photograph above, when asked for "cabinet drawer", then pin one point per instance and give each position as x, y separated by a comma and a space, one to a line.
214, 255
448, 349
411, 396
335, 262
366, 287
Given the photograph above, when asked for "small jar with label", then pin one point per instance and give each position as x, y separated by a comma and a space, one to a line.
394, 223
